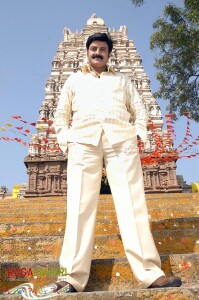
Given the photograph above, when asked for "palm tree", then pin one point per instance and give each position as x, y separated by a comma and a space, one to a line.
4, 188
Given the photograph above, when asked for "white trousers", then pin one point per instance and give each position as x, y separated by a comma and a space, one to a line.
125, 177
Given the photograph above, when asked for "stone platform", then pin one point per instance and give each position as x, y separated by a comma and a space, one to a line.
32, 232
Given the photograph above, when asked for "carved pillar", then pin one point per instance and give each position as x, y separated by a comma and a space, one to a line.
157, 180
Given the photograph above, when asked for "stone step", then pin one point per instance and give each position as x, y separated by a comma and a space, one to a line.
106, 201
154, 196
172, 195
168, 242
48, 248
57, 228
179, 212
153, 208
106, 274
177, 223
190, 292
158, 198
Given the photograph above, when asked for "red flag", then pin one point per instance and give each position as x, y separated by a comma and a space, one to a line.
169, 115
18, 140
16, 117
19, 128
6, 138
188, 134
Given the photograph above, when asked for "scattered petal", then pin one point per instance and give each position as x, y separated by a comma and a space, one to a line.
113, 242
183, 240
48, 248
9, 247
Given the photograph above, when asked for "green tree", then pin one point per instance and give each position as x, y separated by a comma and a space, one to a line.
176, 43
4, 188
137, 2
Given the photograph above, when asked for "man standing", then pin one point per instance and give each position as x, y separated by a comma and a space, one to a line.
108, 115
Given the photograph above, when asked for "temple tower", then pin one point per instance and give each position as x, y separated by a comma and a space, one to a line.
46, 164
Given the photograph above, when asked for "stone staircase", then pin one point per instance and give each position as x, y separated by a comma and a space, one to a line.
31, 233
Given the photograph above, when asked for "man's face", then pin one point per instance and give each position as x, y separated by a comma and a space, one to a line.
98, 54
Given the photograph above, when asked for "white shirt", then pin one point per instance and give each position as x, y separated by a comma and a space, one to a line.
108, 102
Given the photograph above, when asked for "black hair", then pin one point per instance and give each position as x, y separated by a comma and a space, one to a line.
99, 36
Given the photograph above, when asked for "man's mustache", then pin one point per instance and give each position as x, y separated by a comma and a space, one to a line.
97, 56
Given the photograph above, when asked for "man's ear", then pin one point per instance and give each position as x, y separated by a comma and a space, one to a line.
109, 55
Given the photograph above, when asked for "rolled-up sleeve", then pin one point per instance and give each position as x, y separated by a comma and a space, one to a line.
136, 108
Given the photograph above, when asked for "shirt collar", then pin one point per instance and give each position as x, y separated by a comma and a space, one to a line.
86, 69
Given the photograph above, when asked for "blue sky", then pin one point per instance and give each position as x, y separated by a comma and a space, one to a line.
29, 36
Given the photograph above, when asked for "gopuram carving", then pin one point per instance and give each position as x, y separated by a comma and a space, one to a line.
46, 164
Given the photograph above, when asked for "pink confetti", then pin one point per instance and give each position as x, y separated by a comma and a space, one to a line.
183, 240
48, 248
9, 247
